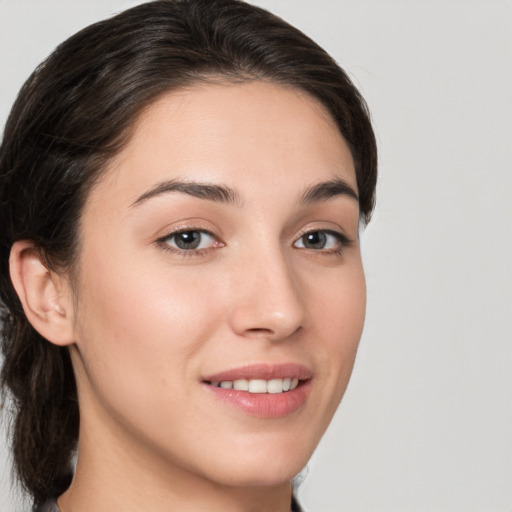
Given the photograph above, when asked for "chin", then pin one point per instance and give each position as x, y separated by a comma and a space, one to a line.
272, 474
264, 465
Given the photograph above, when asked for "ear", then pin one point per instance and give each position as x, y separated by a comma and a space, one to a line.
44, 295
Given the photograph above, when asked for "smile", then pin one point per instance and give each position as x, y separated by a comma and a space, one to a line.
262, 390
273, 386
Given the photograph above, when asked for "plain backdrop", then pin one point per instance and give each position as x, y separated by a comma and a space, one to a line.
426, 424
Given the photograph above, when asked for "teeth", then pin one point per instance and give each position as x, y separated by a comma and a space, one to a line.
273, 386
257, 386
241, 385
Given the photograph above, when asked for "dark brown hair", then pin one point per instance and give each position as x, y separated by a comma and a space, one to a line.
72, 115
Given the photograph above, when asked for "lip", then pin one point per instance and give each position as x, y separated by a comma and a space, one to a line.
263, 405
263, 371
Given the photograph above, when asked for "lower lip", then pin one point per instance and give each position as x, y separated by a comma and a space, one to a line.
264, 405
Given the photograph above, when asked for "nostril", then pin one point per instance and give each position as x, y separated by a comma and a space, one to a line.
258, 330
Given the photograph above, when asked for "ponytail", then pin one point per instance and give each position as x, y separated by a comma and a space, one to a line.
41, 389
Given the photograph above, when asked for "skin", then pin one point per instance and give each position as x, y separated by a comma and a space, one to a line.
147, 323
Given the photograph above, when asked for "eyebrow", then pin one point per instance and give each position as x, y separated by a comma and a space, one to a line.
223, 194
215, 193
327, 190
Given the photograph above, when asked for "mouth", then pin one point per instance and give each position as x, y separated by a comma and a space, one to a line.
265, 391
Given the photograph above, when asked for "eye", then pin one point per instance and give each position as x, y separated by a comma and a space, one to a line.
322, 240
189, 240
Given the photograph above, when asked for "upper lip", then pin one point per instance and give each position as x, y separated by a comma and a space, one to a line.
262, 371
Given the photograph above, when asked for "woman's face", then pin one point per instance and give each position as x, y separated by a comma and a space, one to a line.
220, 250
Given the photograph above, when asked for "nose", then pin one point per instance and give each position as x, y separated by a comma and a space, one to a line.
267, 298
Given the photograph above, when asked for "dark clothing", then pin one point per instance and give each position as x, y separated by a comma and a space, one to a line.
51, 506
295, 505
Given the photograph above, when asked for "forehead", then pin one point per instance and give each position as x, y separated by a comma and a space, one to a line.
239, 134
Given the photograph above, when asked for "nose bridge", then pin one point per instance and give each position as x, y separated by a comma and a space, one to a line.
266, 296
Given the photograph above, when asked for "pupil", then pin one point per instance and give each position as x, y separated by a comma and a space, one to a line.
315, 240
188, 239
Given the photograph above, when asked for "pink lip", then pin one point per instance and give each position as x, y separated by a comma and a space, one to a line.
263, 371
263, 405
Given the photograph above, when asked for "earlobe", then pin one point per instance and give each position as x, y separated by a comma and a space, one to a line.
42, 293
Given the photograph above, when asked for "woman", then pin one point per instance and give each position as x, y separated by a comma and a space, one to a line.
181, 192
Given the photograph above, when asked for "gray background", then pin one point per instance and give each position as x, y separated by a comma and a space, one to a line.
426, 424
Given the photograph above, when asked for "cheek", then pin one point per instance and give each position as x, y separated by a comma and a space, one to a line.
339, 313
142, 323
141, 332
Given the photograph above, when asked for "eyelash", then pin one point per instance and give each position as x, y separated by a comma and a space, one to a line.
163, 242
